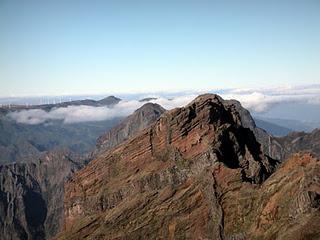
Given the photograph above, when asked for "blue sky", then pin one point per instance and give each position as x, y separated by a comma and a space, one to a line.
80, 47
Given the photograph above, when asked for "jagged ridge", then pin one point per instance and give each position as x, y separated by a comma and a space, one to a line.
162, 182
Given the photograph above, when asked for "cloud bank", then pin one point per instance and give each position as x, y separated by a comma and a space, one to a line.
76, 114
256, 100
262, 100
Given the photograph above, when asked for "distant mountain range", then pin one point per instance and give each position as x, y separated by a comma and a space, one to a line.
24, 143
272, 128
108, 101
286, 125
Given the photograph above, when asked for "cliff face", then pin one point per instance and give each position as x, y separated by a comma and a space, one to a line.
22, 207
270, 145
291, 201
31, 194
54, 169
197, 173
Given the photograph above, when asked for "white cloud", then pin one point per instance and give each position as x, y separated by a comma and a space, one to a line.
256, 100
75, 114
262, 100
175, 102
33, 116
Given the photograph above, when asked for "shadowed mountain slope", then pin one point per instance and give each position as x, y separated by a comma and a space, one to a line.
31, 195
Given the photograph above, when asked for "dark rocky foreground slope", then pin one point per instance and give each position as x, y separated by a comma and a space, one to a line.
22, 208
31, 193
197, 173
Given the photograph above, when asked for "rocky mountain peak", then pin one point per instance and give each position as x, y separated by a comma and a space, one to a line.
212, 124
149, 107
239, 114
170, 165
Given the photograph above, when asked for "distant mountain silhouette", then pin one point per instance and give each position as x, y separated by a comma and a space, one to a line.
272, 128
23, 143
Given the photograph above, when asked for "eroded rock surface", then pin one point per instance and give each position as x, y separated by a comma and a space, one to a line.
31, 194
197, 173
22, 207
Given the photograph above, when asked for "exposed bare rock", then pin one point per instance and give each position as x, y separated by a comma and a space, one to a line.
170, 180
22, 207
204, 171
269, 144
54, 169
285, 206
31, 194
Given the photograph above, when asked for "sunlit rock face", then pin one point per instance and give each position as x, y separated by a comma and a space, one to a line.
198, 172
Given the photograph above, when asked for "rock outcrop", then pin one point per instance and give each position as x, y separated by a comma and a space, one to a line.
198, 172
285, 206
269, 144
